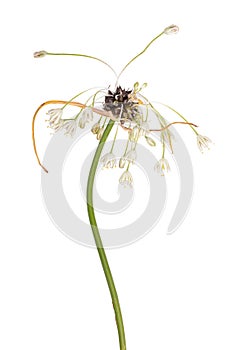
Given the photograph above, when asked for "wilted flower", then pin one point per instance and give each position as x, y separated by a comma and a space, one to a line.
173, 29
108, 160
54, 116
126, 179
203, 142
162, 166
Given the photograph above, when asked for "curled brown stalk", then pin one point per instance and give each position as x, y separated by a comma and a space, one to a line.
167, 126
72, 103
162, 129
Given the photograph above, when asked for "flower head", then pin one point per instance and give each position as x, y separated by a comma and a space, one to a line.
203, 142
162, 166
126, 179
108, 160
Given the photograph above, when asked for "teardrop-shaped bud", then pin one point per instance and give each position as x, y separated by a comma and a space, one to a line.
134, 134
81, 123
100, 133
95, 128
150, 141
122, 163
136, 87
173, 29
144, 86
39, 54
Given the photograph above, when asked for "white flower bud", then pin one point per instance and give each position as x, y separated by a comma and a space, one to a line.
150, 141
173, 29
95, 128
134, 134
122, 163
100, 133
39, 54
136, 87
81, 123
144, 86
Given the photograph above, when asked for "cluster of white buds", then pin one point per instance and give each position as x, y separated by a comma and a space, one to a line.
137, 127
69, 126
122, 162
56, 123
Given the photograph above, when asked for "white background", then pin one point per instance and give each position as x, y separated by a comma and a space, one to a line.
176, 292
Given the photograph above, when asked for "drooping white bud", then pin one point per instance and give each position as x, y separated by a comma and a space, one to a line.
39, 54
95, 128
134, 134
122, 163
172, 29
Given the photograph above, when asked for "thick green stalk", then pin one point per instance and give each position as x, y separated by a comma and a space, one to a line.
98, 241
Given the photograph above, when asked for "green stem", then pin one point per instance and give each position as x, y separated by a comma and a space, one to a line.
81, 55
80, 93
114, 139
98, 241
139, 54
163, 147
